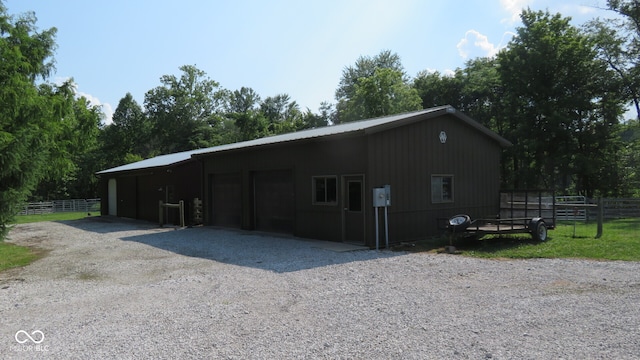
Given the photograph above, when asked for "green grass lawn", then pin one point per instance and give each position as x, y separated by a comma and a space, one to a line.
15, 256
59, 216
620, 241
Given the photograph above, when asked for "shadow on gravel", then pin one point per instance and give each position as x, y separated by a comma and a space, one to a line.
495, 244
108, 224
242, 248
489, 245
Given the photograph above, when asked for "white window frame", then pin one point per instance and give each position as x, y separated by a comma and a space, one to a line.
439, 195
326, 201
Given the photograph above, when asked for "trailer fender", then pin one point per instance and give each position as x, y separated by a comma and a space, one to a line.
459, 223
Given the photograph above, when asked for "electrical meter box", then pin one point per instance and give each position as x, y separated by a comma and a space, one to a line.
382, 196
387, 193
379, 197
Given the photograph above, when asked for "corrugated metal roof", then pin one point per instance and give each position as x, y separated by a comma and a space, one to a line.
158, 161
364, 125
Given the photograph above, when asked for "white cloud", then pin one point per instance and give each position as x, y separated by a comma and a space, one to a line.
475, 44
449, 72
445, 72
108, 113
513, 9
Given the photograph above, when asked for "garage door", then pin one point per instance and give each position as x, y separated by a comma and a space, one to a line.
227, 200
274, 201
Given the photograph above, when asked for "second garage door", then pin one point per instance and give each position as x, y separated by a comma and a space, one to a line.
226, 200
274, 201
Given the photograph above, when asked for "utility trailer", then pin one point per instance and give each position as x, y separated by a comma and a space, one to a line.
521, 212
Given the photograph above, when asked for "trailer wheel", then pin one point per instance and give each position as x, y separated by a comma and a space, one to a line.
539, 231
459, 223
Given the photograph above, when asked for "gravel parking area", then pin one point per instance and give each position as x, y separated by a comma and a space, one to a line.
121, 289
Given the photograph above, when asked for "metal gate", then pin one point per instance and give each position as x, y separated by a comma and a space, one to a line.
564, 211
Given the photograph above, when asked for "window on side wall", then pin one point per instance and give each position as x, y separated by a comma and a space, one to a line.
325, 190
441, 189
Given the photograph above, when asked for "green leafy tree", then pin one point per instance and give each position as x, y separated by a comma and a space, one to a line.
282, 114
135, 128
475, 89
365, 67
251, 125
323, 118
374, 87
72, 174
481, 92
630, 158
129, 137
29, 114
618, 43
185, 111
242, 107
436, 89
611, 48
242, 101
86, 156
384, 93
59, 169
561, 105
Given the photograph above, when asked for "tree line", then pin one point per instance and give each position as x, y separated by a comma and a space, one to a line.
557, 92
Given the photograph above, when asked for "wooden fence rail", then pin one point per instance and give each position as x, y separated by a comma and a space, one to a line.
613, 208
621, 208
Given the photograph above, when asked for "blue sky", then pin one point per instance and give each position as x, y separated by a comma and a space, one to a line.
278, 46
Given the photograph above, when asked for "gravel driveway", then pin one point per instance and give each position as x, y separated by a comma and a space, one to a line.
122, 289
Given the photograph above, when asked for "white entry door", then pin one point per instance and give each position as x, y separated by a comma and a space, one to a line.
113, 197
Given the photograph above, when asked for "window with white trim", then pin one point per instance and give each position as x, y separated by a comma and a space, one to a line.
325, 190
441, 189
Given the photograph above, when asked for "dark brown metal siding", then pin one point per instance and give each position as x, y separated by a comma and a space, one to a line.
151, 189
340, 158
406, 158
187, 179
127, 197
139, 193
337, 157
